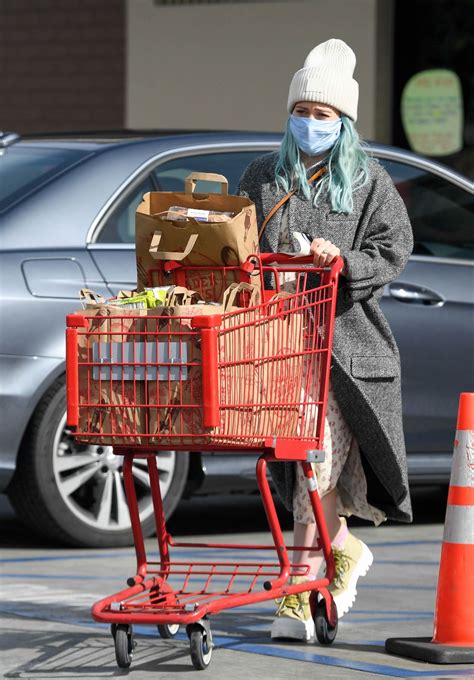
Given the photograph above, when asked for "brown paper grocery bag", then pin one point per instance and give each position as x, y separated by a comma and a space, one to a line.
111, 393
282, 371
175, 406
193, 242
174, 396
240, 379
184, 303
261, 374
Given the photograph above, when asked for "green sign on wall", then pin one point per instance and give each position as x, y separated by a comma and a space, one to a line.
432, 112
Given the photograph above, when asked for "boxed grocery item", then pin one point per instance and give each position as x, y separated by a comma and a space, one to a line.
178, 212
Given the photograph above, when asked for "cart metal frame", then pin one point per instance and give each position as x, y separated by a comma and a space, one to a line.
170, 593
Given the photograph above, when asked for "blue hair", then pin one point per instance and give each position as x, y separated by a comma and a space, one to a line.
347, 168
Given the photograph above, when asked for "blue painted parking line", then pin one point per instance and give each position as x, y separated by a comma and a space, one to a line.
408, 616
325, 660
64, 558
393, 586
62, 577
401, 612
263, 646
152, 556
396, 544
194, 551
417, 563
394, 614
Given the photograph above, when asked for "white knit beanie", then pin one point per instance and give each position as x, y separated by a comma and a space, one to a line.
326, 77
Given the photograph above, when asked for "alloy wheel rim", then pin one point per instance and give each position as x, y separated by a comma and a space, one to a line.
89, 480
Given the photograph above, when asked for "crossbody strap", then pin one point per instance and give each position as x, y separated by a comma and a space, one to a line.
286, 198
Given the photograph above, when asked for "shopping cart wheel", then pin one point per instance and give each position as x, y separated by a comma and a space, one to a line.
325, 633
200, 642
124, 644
168, 630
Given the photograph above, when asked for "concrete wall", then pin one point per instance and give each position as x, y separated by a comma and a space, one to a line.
229, 66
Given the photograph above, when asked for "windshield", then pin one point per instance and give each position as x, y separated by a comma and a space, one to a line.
24, 169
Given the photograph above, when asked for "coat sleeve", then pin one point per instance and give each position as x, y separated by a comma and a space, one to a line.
247, 181
257, 173
386, 244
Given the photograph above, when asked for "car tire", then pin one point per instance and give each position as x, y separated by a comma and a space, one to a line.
47, 470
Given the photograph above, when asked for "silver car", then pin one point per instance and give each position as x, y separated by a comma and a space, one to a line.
67, 210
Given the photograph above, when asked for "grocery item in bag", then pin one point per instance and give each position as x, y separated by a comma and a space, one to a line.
149, 298
177, 212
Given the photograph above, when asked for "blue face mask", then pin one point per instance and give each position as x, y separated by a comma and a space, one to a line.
315, 136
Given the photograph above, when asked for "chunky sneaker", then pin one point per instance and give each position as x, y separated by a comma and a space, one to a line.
352, 561
293, 617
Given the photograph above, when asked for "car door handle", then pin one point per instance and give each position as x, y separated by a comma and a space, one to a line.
415, 295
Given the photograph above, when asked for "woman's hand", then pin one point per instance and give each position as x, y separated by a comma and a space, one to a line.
324, 252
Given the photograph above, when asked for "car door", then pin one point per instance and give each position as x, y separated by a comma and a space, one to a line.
431, 306
114, 249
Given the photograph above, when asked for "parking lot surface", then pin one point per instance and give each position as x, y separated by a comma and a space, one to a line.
47, 591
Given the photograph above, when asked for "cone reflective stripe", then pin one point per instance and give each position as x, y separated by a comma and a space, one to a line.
454, 617
453, 638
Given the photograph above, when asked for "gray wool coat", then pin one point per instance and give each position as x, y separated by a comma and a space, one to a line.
375, 240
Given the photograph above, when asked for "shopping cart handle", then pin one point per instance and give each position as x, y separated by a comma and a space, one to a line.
336, 265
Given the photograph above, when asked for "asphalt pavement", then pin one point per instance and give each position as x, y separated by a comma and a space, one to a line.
47, 592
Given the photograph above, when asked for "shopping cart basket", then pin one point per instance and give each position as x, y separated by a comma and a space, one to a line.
250, 379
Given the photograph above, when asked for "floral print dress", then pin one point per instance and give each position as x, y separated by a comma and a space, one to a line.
341, 470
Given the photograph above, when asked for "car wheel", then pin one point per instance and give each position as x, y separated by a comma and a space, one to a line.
74, 492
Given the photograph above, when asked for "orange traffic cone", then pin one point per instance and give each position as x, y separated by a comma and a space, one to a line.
453, 639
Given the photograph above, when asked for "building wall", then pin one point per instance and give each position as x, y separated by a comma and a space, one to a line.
229, 66
62, 65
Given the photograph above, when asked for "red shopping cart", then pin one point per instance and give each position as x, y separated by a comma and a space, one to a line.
250, 378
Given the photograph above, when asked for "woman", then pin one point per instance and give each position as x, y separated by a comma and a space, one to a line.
345, 204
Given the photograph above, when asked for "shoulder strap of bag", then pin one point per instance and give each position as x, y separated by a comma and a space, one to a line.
286, 198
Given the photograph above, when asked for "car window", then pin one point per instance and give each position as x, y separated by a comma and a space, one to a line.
441, 213
120, 226
24, 169
171, 175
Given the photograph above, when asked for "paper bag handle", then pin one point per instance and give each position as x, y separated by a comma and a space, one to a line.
91, 298
234, 289
277, 302
190, 181
281, 295
179, 295
169, 255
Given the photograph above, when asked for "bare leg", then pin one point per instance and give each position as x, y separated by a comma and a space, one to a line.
307, 534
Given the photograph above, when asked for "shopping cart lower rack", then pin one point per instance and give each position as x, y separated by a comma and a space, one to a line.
253, 378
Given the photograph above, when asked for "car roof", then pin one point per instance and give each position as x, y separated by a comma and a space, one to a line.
100, 141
